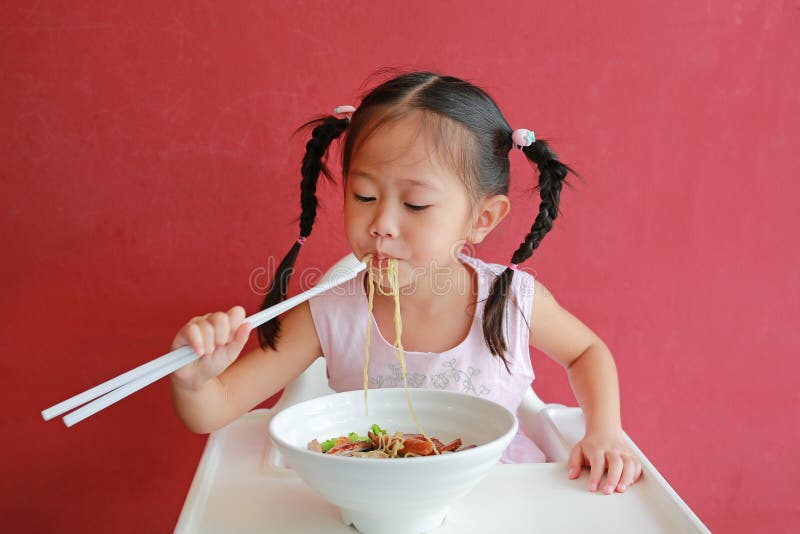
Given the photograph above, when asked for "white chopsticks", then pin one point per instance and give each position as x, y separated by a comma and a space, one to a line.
111, 391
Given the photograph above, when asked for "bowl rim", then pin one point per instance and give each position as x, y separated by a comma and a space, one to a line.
464, 454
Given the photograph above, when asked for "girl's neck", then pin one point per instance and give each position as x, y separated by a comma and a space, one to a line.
434, 293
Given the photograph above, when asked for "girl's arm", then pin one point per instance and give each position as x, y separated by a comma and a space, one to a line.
251, 378
593, 377
587, 360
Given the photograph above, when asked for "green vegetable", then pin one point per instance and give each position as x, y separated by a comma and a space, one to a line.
353, 437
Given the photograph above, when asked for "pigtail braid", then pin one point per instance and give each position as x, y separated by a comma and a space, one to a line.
552, 175
326, 130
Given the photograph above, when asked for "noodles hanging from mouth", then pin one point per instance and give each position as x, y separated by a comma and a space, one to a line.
367, 260
392, 278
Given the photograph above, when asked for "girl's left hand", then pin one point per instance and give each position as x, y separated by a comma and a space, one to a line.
605, 451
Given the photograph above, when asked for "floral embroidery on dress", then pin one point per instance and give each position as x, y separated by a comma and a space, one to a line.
440, 381
455, 375
451, 377
395, 379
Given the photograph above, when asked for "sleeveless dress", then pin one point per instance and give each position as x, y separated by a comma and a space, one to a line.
340, 318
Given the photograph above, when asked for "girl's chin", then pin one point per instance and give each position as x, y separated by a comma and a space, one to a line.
386, 289
381, 274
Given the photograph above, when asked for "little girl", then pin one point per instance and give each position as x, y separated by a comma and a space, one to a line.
425, 166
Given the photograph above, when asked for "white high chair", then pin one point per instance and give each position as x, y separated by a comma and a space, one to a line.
228, 494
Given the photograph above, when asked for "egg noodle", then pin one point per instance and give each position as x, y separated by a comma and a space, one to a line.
394, 291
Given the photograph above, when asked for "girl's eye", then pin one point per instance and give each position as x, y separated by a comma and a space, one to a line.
412, 207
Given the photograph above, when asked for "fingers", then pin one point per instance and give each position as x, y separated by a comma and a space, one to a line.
207, 332
180, 339
194, 337
221, 328
615, 466
575, 462
226, 324
190, 335
611, 458
598, 462
628, 473
236, 315
242, 333
240, 338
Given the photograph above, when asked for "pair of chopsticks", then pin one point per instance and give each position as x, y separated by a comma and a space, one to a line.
104, 395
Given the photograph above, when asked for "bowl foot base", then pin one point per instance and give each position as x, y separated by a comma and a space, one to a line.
410, 523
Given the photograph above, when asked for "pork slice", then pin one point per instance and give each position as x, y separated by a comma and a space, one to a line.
347, 449
416, 447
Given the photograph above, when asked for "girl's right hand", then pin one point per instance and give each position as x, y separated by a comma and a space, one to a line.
218, 337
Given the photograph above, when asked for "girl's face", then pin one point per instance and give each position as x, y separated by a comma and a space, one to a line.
401, 202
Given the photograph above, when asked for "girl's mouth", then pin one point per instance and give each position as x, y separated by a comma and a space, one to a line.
380, 262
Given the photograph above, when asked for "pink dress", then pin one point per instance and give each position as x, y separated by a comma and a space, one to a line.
340, 318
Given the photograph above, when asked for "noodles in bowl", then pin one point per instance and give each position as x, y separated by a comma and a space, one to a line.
406, 494
378, 443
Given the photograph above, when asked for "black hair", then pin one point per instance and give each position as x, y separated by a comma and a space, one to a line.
325, 130
478, 148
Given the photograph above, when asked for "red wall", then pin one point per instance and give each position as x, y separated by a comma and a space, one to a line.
147, 170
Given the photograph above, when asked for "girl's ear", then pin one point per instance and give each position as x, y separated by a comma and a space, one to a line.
488, 214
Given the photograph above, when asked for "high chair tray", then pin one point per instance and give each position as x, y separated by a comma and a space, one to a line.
231, 493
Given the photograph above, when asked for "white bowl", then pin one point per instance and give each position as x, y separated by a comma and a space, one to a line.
402, 495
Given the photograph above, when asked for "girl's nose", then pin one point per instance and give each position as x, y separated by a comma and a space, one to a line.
384, 224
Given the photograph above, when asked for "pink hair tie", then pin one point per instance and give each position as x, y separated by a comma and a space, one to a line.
512, 266
523, 137
346, 111
301, 240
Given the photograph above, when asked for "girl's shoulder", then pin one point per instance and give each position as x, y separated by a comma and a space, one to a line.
522, 283
343, 302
